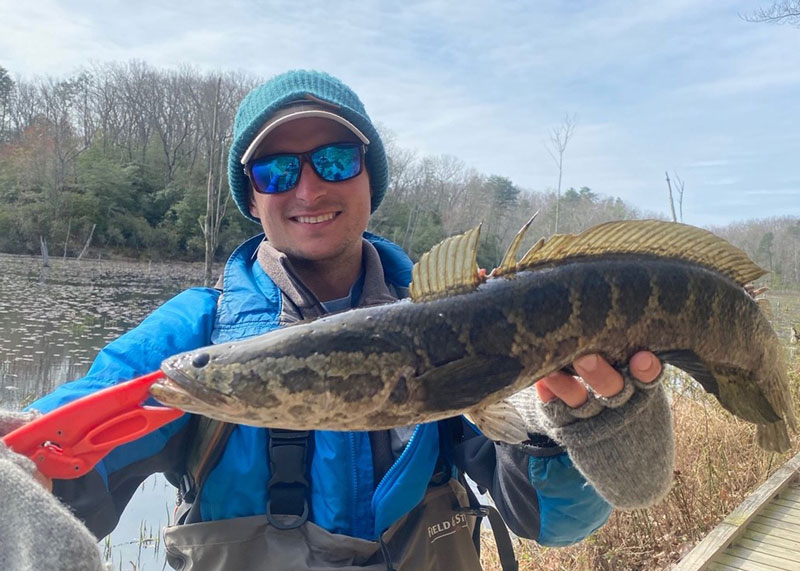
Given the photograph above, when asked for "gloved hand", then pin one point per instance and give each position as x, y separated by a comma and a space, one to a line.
36, 530
622, 444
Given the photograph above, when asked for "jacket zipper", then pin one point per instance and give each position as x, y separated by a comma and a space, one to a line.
399, 464
354, 482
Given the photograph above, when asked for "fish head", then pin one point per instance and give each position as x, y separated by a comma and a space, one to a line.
189, 385
218, 382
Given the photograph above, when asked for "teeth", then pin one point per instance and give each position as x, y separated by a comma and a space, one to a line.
315, 219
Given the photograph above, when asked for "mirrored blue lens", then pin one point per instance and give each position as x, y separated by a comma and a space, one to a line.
276, 173
337, 162
333, 163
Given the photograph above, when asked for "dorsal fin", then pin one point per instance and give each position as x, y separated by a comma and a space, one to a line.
509, 263
450, 267
648, 237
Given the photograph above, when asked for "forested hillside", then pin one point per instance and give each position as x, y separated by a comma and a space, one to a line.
124, 156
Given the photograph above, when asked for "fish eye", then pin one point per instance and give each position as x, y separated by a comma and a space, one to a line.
201, 360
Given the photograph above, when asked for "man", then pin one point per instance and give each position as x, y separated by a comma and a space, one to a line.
307, 163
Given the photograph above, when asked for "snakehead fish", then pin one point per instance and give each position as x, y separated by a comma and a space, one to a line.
466, 341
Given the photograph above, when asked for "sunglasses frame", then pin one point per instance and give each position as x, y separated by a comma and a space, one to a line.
305, 157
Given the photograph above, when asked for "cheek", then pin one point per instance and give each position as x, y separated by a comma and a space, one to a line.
253, 208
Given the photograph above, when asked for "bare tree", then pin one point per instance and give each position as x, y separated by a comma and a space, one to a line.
136, 83
215, 204
559, 139
780, 12
172, 118
6, 93
106, 105
679, 187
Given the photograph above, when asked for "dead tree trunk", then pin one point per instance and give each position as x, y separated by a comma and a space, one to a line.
45, 257
88, 241
211, 192
66, 240
671, 201
679, 185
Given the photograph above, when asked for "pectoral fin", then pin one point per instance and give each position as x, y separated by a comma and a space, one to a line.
499, 421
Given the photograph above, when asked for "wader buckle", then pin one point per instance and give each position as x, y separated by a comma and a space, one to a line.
287, 489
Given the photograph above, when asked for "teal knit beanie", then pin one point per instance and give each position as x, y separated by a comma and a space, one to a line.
293, 86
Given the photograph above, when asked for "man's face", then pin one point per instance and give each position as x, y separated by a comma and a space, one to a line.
317, 221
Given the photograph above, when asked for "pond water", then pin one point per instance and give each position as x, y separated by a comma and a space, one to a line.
52, 323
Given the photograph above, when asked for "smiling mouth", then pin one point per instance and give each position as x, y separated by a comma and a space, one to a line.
315, 219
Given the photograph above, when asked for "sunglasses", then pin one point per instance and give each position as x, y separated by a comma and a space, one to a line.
334, 162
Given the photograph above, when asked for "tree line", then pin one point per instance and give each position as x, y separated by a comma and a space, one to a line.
131, 158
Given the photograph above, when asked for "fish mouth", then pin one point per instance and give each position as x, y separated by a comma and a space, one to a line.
183, 390
170, 393
176, 388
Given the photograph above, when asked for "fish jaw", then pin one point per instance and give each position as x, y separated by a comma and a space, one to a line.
170, 393
185, 390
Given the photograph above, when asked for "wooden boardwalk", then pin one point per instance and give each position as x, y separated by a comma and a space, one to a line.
762, 534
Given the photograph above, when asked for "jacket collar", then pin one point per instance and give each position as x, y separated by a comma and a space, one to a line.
256, 283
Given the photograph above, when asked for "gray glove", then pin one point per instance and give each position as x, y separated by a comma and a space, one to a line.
36, 530
623, 445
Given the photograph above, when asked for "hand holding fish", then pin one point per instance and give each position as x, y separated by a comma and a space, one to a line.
615, 428
599, 375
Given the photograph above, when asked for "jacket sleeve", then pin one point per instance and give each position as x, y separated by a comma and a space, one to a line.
535, 487
181, 324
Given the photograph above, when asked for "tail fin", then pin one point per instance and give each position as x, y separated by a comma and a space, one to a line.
773, 436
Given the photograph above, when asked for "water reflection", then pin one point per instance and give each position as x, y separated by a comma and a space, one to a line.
52, 323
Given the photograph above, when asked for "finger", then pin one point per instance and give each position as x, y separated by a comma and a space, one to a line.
544, 392
645, 366
598, 374
567, 388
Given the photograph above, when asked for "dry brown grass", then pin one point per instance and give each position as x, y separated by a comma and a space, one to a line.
717, 465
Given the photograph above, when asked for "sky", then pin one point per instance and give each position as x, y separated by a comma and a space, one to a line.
684, 86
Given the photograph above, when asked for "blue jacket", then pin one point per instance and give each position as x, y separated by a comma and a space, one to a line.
538, 491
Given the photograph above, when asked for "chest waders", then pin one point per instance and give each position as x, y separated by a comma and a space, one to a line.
441, 533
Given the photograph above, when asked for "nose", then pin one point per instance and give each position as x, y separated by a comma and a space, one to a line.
310, 187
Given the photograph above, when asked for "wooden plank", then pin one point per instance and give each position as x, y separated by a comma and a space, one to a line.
787, 503
767, 520
767, 559
768, 548
758, 527
780, 513
744, 563
791, 495
791, 543
720, 567
727, 531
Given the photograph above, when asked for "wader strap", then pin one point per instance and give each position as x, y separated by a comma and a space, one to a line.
502, 539
207, 443
287, 489
508, 561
